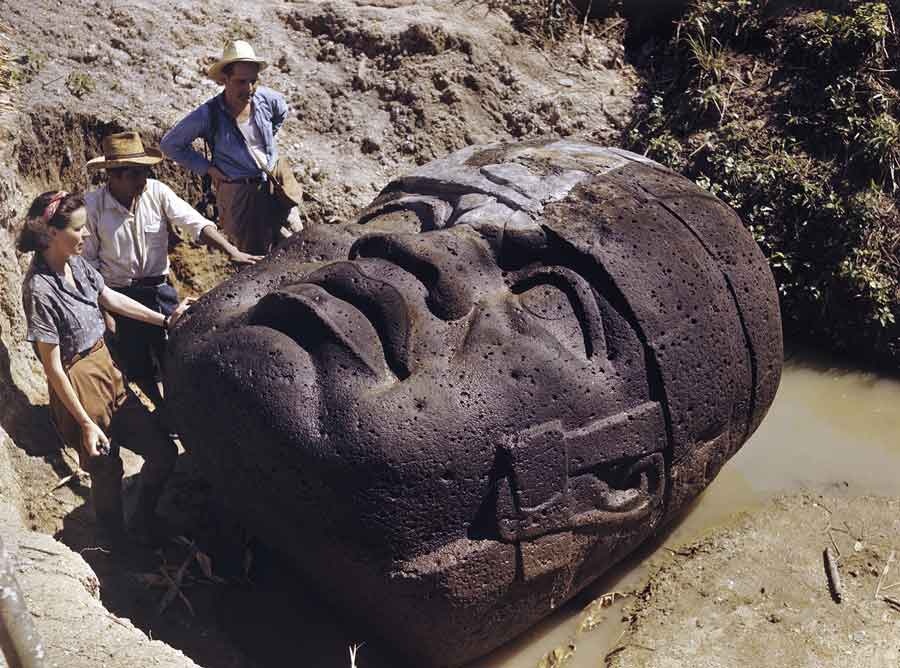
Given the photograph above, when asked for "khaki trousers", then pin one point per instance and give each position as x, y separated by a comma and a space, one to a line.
126, 422
252, 214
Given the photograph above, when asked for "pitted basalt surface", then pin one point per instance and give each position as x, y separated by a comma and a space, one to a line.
456, 412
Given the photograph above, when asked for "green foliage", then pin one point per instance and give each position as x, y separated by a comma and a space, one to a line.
827, 39
707, 57
788, 112
80, 84
666, 149
16, 70
734, 22
879, 142
872, 267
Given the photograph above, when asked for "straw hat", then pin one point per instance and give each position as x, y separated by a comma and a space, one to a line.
124, 149
237, 51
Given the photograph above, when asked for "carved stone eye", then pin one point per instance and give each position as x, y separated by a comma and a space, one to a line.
401, 212
554, 307
547, 302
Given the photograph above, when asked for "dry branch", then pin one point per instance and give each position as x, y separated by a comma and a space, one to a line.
833, 543
884, 573
175, 583
62, 481
834, 578
354, 650
893, 602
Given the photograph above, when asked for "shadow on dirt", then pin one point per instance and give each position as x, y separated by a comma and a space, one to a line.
29, 426
237, 604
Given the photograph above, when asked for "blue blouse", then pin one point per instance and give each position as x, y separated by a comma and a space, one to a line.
60, 314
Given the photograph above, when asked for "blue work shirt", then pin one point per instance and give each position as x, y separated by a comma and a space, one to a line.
230, 153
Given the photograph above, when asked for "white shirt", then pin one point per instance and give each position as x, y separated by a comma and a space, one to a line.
255, 141
124, 246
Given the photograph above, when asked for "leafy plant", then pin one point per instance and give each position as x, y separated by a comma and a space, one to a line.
80, 84
843, 40
735, 22
879, 140
788, 112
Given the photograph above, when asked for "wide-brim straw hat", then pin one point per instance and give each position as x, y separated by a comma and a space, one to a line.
125, 149
237, 51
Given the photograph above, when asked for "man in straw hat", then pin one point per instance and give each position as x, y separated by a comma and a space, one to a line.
255, 189
128, 244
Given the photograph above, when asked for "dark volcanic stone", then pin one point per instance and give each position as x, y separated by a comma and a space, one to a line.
456, 412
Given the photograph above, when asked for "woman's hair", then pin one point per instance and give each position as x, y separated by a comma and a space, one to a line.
35, 235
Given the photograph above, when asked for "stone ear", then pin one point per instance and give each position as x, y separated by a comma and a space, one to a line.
599, 478
532, 500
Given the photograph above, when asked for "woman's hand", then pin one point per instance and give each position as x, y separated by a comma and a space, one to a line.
93, 440
179, 311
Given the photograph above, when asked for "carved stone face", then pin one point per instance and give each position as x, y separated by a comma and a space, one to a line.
473, 400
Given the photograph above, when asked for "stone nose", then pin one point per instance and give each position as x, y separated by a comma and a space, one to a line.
457, 267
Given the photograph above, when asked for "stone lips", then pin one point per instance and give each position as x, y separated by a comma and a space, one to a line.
455, 412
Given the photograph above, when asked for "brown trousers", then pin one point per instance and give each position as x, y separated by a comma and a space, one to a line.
252, 214
126, 422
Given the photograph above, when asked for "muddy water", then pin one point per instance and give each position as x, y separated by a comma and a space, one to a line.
831, 430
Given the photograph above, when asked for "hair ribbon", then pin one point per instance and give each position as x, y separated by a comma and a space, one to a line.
52, 206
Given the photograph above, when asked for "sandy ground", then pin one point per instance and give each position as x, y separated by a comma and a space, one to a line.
755, 592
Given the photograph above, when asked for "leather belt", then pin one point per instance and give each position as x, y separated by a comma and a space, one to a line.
147, 282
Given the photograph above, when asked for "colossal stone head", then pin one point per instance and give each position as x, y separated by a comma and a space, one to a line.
512, 368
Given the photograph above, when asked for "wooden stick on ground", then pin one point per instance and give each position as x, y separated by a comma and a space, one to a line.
354, 650
62, 482
833, 543
587, 14
175, 584
884, 573
175, 589
834, 578
893, 602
